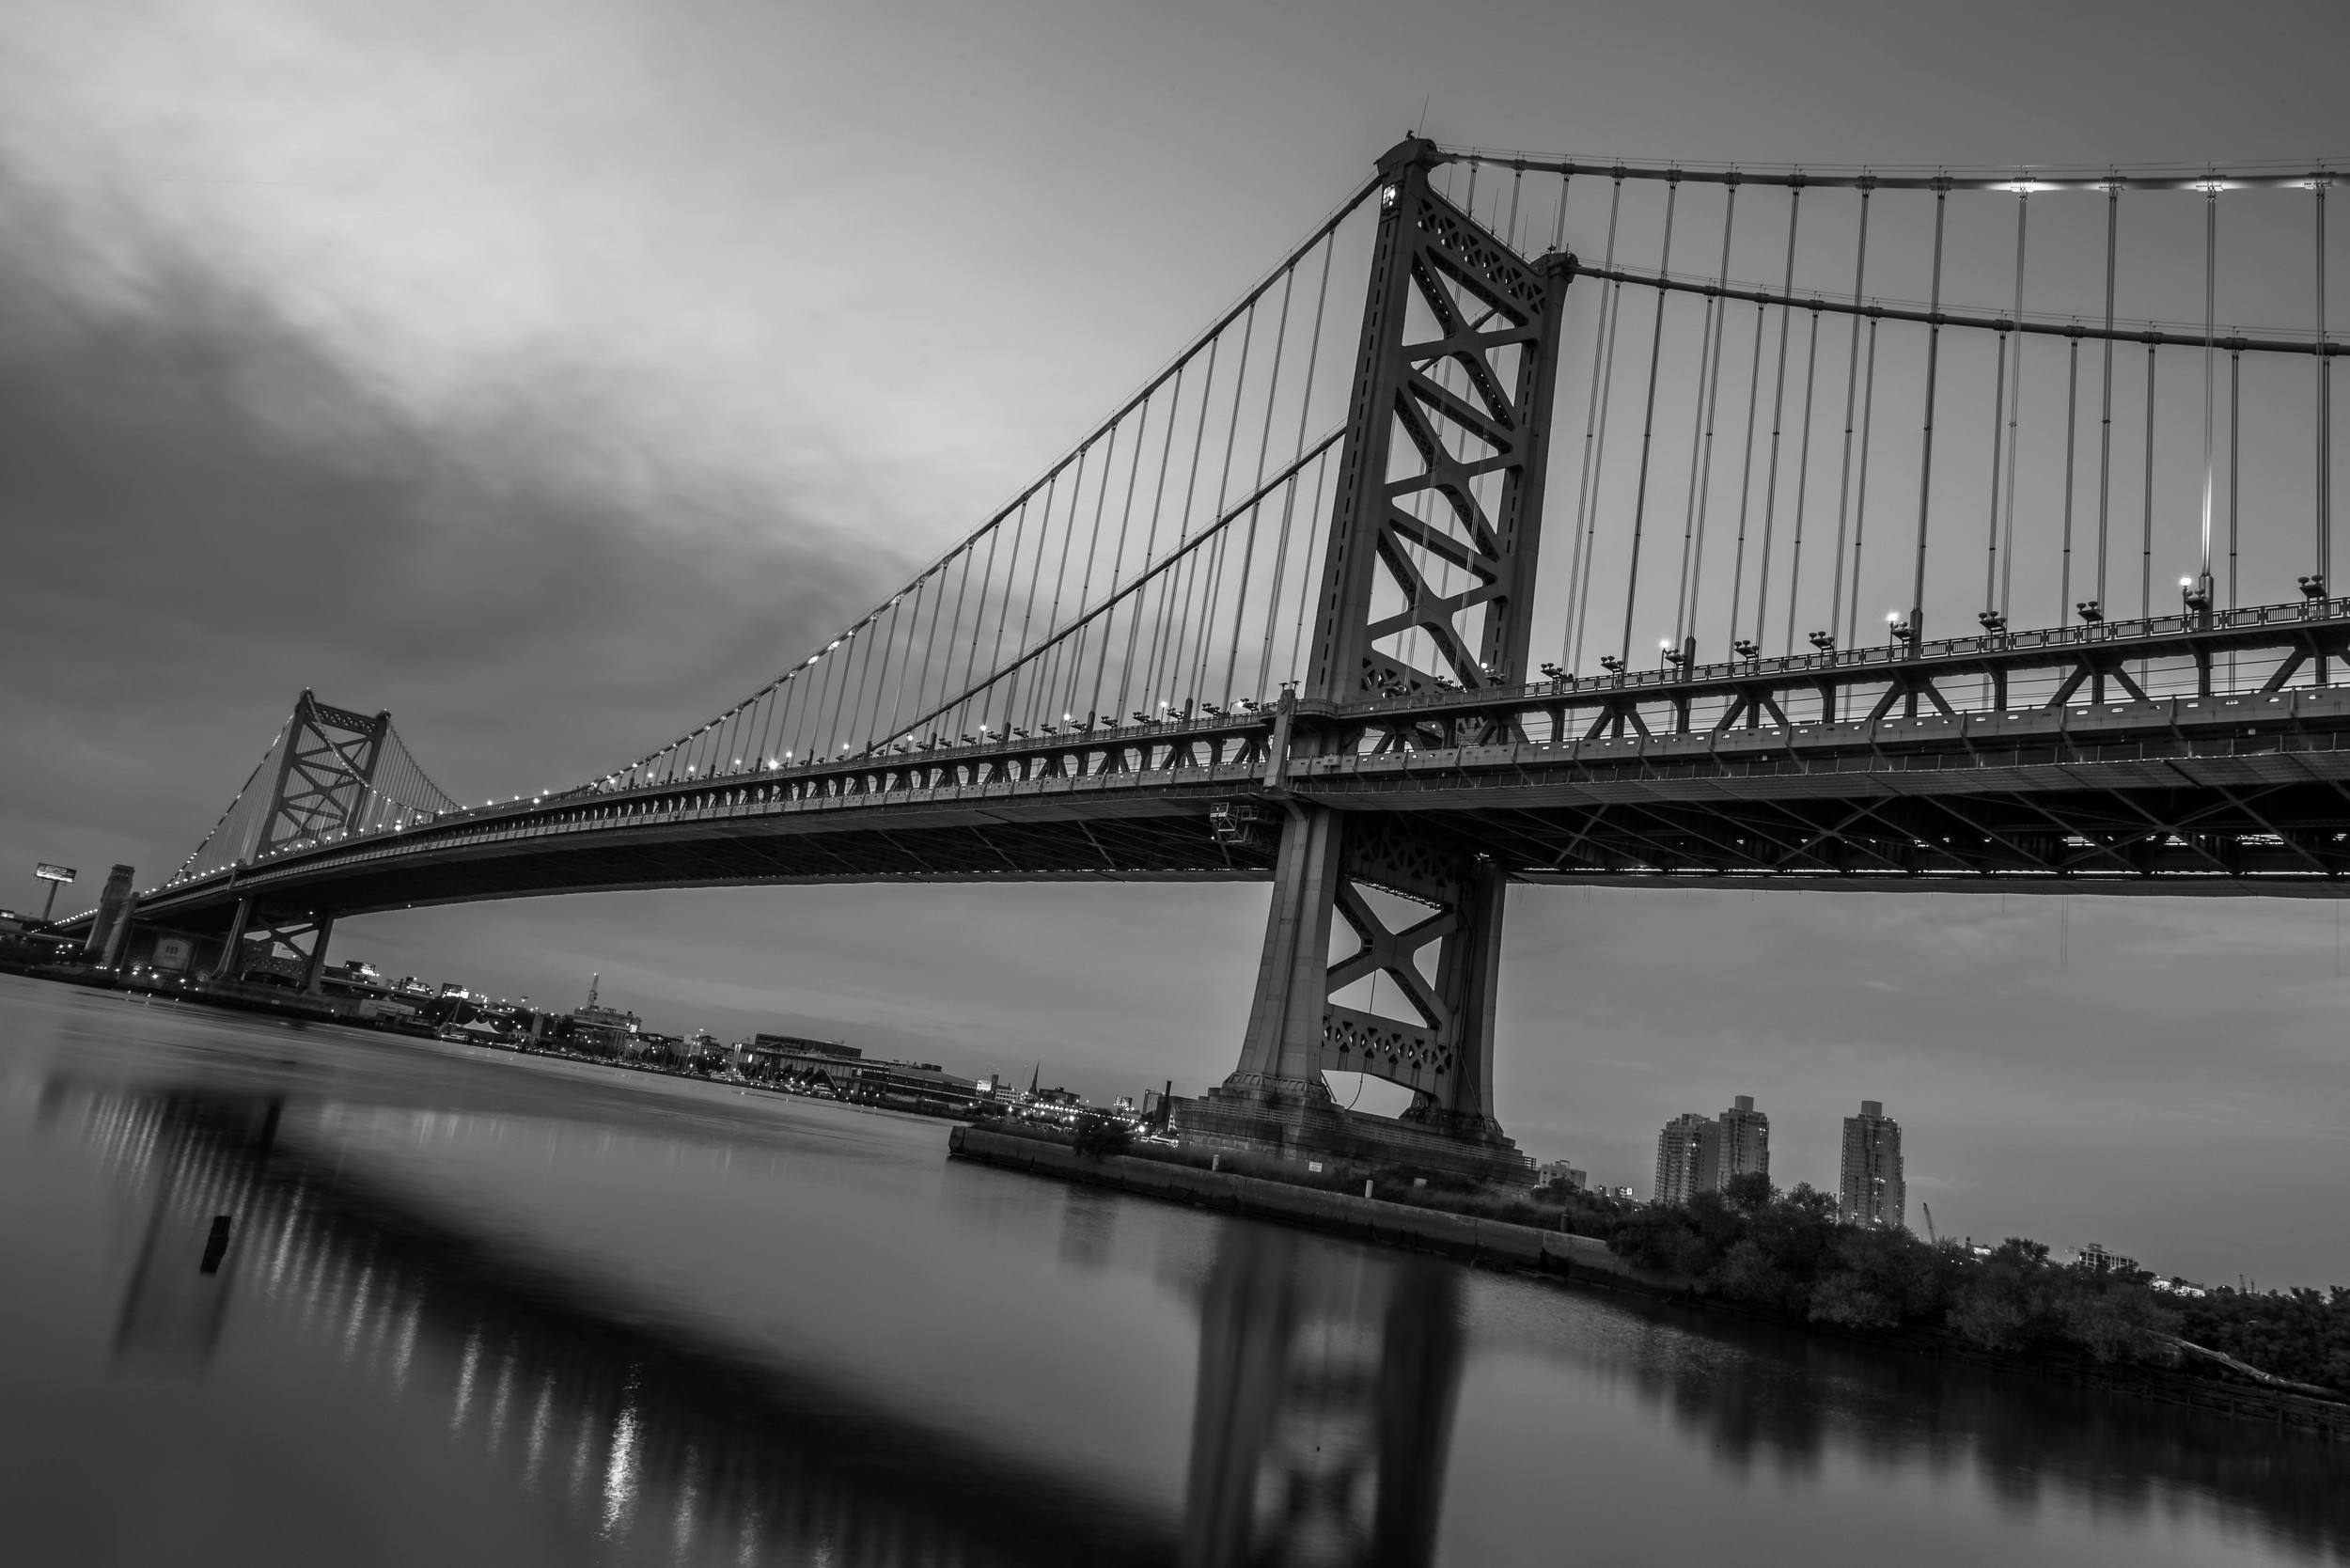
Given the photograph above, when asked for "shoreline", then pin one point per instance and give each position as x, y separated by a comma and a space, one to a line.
1584, 1260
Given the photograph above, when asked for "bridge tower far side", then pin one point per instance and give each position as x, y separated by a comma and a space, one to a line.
1446, 446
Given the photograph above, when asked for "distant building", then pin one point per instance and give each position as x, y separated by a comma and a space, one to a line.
1687, 1153
1560, 1170
601, 1031
2097, 1257
1746, 1142
800, 1045
1611, 1192
1869, 1187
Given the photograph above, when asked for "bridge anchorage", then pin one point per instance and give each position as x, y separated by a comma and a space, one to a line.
1272, 619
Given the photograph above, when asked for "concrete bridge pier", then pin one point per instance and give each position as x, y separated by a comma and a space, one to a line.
1276, 1101
116, 904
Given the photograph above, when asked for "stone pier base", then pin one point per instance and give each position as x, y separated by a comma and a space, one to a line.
1308, 1126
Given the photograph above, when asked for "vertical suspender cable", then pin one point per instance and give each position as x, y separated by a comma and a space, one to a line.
1517, 178
1778, 412
1648, 419
1044, 673
1860, 486
1288, 500
2235, 386
1713, 399
1256, 511
1991, 528
1196, 683
2146, 556
1150, 548
2015, 404
1559, 214
1305, 576
1707, 333
2105, 458
1802, 478
1118, 566
978, 612
2325, 404
805, 734
2211, 365
1171, 631
860, 652
1745, 476
1011, 575
1594, 402
1852, 387
876, 645
1012, 715
954, 629
1085, 584
1194, 633
1925, 454
2072, 425
913, 633
2236, 448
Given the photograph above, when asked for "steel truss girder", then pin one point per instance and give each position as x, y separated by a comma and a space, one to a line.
2311, 637
2141, 834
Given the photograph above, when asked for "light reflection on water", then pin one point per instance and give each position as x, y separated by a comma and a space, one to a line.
480, 1309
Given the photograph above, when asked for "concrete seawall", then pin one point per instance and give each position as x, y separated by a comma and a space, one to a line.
1492, 1242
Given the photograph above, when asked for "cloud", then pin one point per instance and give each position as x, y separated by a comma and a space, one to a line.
206, 510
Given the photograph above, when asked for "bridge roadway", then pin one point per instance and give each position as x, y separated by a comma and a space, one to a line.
2236, 794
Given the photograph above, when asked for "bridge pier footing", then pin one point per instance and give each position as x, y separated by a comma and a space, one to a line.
1439, 1042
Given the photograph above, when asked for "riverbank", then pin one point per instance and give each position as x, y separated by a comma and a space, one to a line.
1488, 1242
1587, 1261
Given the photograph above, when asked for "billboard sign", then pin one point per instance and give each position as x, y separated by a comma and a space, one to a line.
172, 952
53, 873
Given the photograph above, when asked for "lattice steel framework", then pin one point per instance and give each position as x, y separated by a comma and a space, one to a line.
1458, 354
323, 772
1464, 485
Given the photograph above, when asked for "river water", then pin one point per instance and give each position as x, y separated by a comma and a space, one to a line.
468, 1307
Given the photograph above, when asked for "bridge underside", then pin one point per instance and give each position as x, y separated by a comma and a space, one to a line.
2175, 816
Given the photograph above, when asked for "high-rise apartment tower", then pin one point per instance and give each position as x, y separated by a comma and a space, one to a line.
1869, 1185
1746, 1141
1687, 1153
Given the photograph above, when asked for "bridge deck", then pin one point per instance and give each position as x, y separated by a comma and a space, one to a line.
2228, 794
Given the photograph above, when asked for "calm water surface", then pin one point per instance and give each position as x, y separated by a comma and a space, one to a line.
476, 1308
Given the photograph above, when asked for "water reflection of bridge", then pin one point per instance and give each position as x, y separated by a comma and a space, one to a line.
1325, 1393
1321, 1429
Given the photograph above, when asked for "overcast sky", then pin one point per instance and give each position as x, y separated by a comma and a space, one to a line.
553, 373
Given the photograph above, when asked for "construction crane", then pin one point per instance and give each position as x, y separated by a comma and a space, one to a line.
1930, 1235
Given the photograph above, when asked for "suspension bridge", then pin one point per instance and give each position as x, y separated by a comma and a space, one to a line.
1284, 615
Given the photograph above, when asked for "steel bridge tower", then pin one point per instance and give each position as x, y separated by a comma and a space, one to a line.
1464, 485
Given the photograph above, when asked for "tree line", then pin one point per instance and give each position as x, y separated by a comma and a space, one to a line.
1789, 1254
